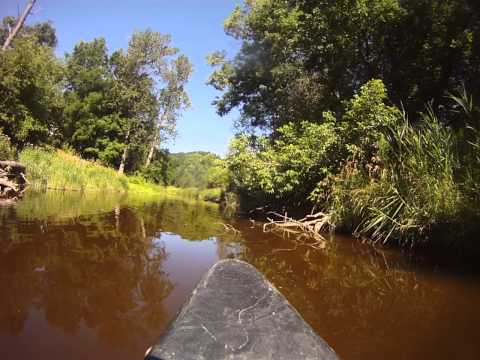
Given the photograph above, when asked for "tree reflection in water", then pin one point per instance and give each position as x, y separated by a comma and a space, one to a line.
100, 276
372, 304
93, 262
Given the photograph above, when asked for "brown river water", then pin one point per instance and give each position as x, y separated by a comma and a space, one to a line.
101, 277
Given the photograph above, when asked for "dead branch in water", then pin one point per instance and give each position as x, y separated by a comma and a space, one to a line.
230, 228
306, 230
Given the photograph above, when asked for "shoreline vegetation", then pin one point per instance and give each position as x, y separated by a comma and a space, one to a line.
54, 169
383, 179
369, 126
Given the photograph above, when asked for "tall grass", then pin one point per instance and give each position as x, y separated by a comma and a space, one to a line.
60, 170
423, 186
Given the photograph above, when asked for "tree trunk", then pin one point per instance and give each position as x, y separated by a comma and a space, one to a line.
121, 168
18, 25
150, 152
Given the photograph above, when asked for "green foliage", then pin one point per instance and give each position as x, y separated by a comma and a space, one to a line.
30, 94
411, 190
65, 171
370, 169
423, 180
41, 33
366, 116
7, 152
115, 103
112, 107
200, 170
359, 159
287, 168
293, 166
301, 58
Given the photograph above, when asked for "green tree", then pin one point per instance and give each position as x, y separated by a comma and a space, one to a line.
42, 33
92, 122
152, 100
31, 102
301, 58
118, 104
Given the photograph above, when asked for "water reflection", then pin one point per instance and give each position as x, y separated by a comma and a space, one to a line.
370, 304
100, 276
98, 269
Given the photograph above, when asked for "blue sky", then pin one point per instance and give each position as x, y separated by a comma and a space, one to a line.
196, 27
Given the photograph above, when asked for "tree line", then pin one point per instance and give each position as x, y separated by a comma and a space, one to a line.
115, 107
196, 169
365, 112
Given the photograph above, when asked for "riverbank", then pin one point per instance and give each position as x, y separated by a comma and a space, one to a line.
61, 170
370, 172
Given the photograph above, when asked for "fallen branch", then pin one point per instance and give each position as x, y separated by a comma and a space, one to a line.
230, 228
12, 167
306, 230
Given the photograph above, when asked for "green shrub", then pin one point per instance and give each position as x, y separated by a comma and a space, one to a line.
418, 185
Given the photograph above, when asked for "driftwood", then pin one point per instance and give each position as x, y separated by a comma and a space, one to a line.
12, 180
308, 230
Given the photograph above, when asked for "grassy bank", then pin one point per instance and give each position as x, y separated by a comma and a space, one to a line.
60, 170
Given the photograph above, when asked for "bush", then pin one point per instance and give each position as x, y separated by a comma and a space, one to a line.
419, 185
370, 170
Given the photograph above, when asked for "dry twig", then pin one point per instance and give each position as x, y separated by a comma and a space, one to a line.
305, 230
230, 228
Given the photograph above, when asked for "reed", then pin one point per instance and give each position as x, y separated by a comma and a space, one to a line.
423, 187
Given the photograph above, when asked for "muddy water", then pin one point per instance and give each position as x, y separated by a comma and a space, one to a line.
96, 277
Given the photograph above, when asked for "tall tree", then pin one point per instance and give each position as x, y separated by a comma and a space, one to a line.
31, 102
301, 57
173, 99
92, 123
154, 79
118, 104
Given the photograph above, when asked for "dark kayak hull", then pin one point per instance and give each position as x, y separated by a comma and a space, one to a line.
235, 313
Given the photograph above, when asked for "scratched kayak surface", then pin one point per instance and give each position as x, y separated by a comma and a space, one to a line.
235, 313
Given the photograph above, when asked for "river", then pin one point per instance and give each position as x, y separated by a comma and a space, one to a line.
99, 276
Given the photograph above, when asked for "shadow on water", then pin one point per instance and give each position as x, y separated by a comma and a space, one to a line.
100, 276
